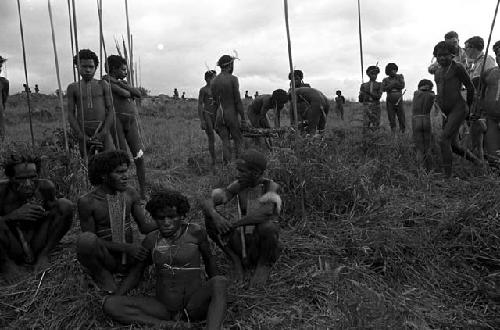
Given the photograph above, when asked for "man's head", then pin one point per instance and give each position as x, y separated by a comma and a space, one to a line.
444, 53
168, 207
496, 50
391, 69
474, 46
22, 171
279, 98
251, 166
88, 63
116, 66
109, 168
452, 37
372, 71
226, 63
209, 75
298, 76
2, 61
425, 85
338, 93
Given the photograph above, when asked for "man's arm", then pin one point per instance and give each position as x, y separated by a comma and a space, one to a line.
137, 211
200, 107
135, 273
204, 247
110, 110
237, 99
5, 92
400, 81
72, 99
466, 81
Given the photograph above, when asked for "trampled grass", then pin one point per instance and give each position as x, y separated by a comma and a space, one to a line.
370, 239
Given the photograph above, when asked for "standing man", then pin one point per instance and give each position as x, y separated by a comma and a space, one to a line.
474, 49
339, 104
207, 111
126, 120
226, 93
459, 55
4, 94
369, 94
393, 85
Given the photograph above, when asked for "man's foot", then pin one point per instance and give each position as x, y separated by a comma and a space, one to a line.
105, 282
260, 276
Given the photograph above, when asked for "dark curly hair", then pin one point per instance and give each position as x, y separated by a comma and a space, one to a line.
451, 35
425, 82
104, 163
167, 197
114, 62
279, 96
372, 68
475, 42
14, 159
444, 45
210, 74
297, 74
389, 67
86, 54
496, 47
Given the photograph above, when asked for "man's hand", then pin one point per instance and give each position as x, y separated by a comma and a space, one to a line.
137, 252
27, 212
221, 224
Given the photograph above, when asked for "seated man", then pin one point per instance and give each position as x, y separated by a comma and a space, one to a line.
32, 219
252, 242
106, 245
176, 250
312, 109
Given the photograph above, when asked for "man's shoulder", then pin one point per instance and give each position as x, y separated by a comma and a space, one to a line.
4, 80
132, 193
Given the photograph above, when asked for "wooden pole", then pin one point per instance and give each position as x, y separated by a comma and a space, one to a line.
72, 41
26, 74
82, 113
56, 60
99, 13
129, 39
294, 96
360, 42
132, 64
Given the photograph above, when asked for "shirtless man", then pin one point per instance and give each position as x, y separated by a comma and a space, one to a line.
491, 107
312, 109
459, 55
98, 112
126, 123
298, 77
226, 93
370, 93
252, 242
339, 104
257, 110
176, 250
449, 78
423, 101
32, 219
393, 85
4, 94
207, 111
106, 245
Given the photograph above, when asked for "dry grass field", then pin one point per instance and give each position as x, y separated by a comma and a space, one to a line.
371, 241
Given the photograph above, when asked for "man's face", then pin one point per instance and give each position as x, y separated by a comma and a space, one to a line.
117, 180
373, 76
167, 219
471, 52
121, 72
87, 69
25, 179
453, 41
444, 57
393, 72
247, 174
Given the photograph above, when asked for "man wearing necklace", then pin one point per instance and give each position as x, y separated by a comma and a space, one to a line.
106, 244
97, 113
176, 250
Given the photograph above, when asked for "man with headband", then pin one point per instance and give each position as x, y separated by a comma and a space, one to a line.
251, 241
369, 94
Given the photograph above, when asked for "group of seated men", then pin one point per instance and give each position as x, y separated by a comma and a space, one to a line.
33, 220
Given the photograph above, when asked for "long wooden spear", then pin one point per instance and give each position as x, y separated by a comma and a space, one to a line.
26, 74
82, 113
294, 96
56, 60
71, 37
360, 41
129, 39
101, 40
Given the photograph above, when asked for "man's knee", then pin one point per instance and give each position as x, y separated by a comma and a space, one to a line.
218, 283
111, 305
86, 244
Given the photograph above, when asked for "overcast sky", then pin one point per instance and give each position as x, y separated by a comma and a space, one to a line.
176, 39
